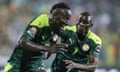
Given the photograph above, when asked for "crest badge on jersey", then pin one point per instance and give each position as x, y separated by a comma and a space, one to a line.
85, 47
57, 39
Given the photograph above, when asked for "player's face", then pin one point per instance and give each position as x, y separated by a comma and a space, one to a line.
83, 27
84, 24
60, 18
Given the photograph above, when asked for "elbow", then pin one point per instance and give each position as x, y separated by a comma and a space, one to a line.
22, 42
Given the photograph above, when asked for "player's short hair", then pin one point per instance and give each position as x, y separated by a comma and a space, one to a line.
59, 5
85, 14
85, 18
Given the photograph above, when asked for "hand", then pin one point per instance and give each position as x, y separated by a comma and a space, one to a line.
70, 65
57, 48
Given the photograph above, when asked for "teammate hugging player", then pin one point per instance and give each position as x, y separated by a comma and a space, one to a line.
83, 55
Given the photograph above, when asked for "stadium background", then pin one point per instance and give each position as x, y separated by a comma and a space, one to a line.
16, 14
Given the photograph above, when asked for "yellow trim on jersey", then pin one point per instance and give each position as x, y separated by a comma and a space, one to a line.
41, 21
8, 67
94, 37
71, 28
75, 51
90, 34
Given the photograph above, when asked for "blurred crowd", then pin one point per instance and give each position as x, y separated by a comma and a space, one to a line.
16, 14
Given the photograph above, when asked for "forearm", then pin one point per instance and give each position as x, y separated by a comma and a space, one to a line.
87, 67
34, 47
29, 45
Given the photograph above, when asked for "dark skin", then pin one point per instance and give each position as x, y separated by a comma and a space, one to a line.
29, 45
55, 27
82, 29
90, 67
59, 20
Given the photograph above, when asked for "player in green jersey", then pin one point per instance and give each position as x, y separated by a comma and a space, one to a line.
39, 36
83, 55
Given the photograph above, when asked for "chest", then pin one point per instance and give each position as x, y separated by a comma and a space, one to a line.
44, 37
82, 48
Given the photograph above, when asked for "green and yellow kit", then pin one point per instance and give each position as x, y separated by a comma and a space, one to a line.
23, 60
78, 52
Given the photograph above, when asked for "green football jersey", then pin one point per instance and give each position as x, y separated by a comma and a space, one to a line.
29, 61
78, 52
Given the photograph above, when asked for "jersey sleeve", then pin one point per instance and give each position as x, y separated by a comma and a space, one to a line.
96, 44
30, 32
35, 25
41, 21
96, 51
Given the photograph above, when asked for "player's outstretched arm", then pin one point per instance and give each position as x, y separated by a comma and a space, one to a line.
25, 43
90, 67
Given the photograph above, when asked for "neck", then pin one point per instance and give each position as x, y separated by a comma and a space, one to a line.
56, 31
81, 36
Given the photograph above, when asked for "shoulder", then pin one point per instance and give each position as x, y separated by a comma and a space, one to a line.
69, 32
40, 21
95, 38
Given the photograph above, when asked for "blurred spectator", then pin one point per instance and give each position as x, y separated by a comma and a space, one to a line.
17, 13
